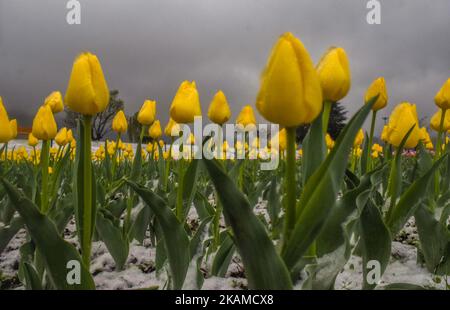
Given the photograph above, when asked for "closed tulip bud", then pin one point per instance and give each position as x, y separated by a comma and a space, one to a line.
32, 140
44, 125
334, 74
329, 141
13, 125
378, 87
146, 115
119, 123
290, 93
70, 136
377, 148
62, 137
246, 117
425, 136
442, 98
358, 139
155, 131
87, 92
384, 133
281, 144
402, 119
5, 127
219, 111
171, 125
55, 101
435, 122
186, 104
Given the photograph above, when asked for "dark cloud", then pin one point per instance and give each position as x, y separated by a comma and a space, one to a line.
148, 47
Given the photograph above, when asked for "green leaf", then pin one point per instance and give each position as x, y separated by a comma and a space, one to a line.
8, 232
111, 234
434, 241
140, 224
55, 252
314, 149
410, 200
320, 192
32, 281
223, 256
375, 240
332, 235
176, 240
190, 185
251, 239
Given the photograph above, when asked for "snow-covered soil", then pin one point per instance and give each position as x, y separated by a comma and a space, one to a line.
139, 272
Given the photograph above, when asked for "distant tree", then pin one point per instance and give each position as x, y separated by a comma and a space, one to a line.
101, 123
338, 118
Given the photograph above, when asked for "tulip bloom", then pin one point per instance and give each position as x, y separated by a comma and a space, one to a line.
62, 137
44, 125
435, 122
55, 101
378, 87
334, 74
442, 98
119, 123
246, 117
155, 131
146, 115
5, 127
290, 93
186, 103
87, 92
219, 111
402, 119
358, 139
32, 140
170, 126
13, 125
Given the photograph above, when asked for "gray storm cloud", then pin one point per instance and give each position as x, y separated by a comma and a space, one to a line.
148, 47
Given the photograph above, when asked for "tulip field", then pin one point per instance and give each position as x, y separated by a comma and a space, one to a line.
164, 216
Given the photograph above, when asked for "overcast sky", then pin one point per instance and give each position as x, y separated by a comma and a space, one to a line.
147, 47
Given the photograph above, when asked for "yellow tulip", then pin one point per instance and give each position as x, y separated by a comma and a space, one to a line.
329, 141
219, 111
401, 120
425, 137
246, 117
290, 92
384, 133
13, 125
334, 74
87, 92
377, 148
70, 136
186, 104
146, 115
442, 98
155, 131
282, 140
44, 125
55, 101
5, 127
32, 140
62, 137
358, 139
170, 126
378, 87
119, 123
436, 121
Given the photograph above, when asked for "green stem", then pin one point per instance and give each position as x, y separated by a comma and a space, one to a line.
326, 115
439, 138
179, 201
372, 130
87, 189
290, 184
114, 159
44, 181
